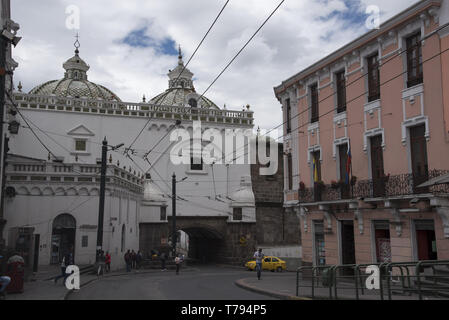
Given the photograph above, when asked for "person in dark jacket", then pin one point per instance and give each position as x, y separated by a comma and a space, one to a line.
138, 259
133, 259
162, 256
64, 263
128, 261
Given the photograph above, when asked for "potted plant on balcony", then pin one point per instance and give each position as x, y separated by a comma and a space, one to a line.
353, 180
320, 185
302, 186
335, 184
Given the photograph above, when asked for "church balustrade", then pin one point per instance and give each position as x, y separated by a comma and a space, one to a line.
30, 101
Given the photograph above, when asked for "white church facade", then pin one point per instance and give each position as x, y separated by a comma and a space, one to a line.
53, 173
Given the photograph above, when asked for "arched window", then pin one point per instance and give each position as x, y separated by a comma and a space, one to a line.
193, 103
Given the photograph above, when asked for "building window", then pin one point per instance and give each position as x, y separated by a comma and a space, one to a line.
192, 102
163, 213
196, 166
377, 166
237, 214
418, 151
289, 116
373, 78
80, 145
314, 103
414, 60
290, 171
344, 171
84, 241
316, 166
341, 91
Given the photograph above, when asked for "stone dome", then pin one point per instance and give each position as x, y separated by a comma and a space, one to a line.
75, 83
151, 191
181, 91
244, 196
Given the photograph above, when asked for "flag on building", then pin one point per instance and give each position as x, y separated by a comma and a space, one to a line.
315, 171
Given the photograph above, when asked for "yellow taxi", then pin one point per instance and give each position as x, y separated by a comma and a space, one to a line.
269, 263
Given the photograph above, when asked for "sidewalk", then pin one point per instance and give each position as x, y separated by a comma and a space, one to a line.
42, 287
283, 286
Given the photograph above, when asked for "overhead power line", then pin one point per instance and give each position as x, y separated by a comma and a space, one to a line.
185, 66
346, 86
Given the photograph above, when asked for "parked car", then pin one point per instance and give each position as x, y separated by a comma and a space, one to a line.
269, 263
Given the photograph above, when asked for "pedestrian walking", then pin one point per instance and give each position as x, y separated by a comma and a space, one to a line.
163, 257
128, 261
258, 255
64, 264
107, 262
4, 281
101, 263
138, 259
133, 259
178, 263
70, 259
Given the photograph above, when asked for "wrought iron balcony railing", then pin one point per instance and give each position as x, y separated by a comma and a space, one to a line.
388, 186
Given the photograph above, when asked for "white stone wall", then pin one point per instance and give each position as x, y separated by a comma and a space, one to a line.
40, 211
198, 186
58, 130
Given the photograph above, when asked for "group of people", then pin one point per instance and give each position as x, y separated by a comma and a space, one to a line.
133, 260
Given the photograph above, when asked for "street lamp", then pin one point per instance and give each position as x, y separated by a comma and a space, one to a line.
13, 127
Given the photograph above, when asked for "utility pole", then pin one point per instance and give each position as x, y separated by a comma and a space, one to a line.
104, 155
104, 150
3, 47
174, 238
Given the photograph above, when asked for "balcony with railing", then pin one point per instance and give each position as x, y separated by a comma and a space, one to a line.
118, 108
390, 186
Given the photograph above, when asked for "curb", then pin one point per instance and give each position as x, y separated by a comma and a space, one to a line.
242, 284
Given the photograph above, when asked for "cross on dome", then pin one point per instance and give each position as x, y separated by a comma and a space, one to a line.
180, 62
77, 43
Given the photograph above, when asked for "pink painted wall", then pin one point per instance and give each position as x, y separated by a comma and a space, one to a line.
393, 79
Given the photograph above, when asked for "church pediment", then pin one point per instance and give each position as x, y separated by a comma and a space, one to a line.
81, 130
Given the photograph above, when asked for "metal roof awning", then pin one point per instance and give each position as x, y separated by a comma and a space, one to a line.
437, 180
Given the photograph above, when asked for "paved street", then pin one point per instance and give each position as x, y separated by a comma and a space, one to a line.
199, 283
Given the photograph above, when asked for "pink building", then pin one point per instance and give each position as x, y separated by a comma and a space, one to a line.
364, 128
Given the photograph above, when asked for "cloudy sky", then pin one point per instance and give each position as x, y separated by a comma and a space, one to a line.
130, 45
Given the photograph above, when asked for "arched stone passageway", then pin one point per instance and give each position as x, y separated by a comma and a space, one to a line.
211, 239
62, 237
205, 244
